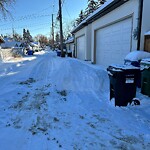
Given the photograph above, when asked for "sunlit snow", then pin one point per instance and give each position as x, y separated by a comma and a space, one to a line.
49, 103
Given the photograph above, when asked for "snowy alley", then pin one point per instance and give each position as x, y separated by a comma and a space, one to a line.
49, 103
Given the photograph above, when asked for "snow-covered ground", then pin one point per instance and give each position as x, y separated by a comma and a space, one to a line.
50, 103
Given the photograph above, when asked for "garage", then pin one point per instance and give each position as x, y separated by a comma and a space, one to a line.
113, 42
81, 47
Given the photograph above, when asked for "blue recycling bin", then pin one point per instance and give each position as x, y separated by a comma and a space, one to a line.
30, 52
58, 53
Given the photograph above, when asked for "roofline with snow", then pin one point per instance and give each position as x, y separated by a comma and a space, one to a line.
113, 5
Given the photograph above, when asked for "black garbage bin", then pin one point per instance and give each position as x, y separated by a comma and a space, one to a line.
69, 52
123, 80
135, 64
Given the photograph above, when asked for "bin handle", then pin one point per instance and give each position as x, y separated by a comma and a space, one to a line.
109, 73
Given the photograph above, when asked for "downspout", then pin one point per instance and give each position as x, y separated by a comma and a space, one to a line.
140, 14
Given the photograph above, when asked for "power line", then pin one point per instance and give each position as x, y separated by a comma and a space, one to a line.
30, 17
67, 12
62, 3
24, 26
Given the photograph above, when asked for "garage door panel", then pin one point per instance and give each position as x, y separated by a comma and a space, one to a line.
81, 47
112, 47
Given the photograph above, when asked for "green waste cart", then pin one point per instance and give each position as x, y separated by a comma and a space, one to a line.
145, 76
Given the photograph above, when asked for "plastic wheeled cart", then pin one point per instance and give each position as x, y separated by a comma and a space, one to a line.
123, 81
145, 77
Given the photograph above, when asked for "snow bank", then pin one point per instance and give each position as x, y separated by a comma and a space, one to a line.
147, 33
146, 60
137, 55
77, 76
145, 63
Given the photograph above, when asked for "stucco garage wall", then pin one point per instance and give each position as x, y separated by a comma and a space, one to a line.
86, 32
128, 9
88, 42
78, 35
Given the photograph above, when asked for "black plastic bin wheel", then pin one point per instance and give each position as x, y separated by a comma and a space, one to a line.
70, 54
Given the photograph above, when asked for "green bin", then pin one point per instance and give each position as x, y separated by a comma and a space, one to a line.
145, 77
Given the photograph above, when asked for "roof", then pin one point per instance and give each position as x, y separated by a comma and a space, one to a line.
36, 44
8, 43
147, 33
101, 11
70, 40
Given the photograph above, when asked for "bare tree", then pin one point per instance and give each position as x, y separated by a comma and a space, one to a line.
68, 26
4, 4
42, 39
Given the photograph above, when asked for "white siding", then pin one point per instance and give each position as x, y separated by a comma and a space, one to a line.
130, 8
88, 42
86, 31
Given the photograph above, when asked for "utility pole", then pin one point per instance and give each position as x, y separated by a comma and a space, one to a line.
13, 31
52, 32
61, 30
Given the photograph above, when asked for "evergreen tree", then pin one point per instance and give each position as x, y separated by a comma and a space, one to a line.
26, 36
101, 1
29, 37
81, 18
92, 6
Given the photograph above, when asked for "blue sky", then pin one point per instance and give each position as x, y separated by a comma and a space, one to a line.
35, 15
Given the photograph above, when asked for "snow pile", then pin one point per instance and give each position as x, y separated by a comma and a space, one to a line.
146, 60
77, 76
70, 40
147, 33
137, 55
36, 115
119, 67
145, 63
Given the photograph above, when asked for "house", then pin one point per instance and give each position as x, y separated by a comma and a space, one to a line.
112, 31
70, 45
10, 43
10, 48
35, 46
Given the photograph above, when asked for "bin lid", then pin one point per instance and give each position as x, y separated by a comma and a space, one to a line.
137, 55
119, 67
145, 63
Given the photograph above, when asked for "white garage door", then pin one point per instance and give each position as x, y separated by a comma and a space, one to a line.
72, 47
81, 47
113, 43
